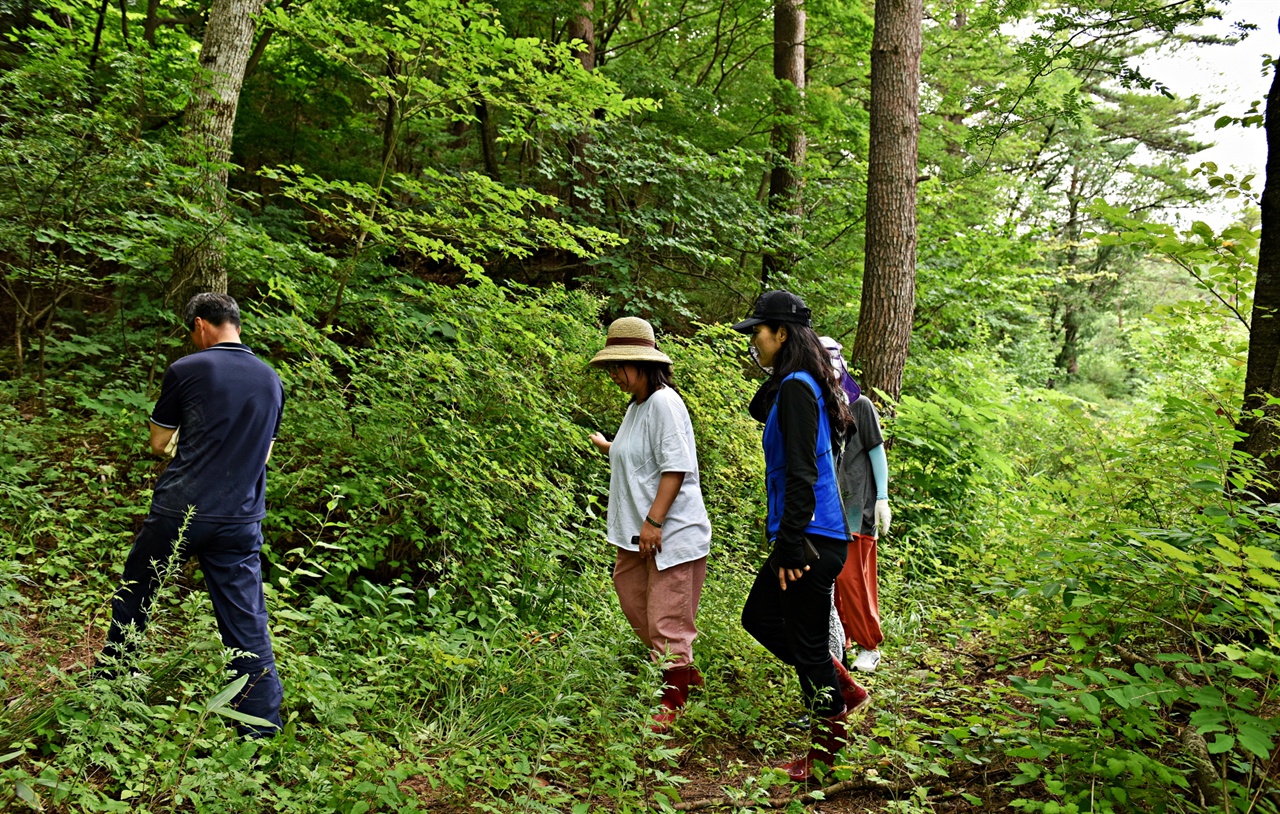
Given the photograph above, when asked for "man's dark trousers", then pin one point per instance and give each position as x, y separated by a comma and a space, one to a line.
229, 557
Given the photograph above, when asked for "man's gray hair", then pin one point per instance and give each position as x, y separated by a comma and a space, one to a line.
216, 309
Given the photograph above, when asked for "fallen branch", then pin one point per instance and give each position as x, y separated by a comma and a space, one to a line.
1178, 674
1204, 776
987, 660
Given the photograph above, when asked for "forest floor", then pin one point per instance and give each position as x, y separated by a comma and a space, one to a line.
712, 772
712, 776
721, 775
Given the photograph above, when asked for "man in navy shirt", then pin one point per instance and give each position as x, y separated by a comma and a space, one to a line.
222, 405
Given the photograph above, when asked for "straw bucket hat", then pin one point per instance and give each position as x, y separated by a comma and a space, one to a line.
630, 339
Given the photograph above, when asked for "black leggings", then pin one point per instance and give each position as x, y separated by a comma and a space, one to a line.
793, 624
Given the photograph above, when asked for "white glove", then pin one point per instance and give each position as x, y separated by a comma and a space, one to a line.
883, 516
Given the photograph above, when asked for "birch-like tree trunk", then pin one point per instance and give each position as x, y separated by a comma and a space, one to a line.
889, 275
789, 142
210, 120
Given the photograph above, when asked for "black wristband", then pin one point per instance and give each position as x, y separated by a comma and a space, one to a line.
652, 522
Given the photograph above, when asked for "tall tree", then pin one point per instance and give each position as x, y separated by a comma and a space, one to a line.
889, 274
581, 29
1262, 375
789, 142
210, 120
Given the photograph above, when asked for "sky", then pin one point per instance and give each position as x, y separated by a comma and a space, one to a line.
1231, 74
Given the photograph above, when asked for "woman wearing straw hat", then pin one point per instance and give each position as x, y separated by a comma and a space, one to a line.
656, 516
789, 607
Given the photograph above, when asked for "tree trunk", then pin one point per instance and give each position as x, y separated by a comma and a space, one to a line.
1262, 376
97, 35
581, 27
789, 143
151, 22
392, 118
1072, 293
488, 133
889, 277
1068, 360
209, 121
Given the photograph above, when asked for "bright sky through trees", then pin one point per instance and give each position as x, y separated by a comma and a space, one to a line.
1232, 75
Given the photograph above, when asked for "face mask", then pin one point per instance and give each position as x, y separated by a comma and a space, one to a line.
755, 357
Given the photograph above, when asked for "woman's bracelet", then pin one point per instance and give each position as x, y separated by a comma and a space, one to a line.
652, 522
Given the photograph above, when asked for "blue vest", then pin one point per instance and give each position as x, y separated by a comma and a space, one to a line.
828, 513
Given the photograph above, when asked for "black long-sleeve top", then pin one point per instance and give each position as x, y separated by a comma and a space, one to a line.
798, 423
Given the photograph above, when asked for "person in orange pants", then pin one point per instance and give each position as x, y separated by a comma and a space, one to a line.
863, 475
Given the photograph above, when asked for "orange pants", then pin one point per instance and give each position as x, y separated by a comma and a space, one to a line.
857, 596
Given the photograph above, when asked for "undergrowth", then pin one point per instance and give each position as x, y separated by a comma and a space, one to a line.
1079, 616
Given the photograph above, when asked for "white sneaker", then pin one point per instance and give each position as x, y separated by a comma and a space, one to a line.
867, 661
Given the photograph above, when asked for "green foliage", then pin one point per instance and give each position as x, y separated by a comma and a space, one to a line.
456, 220
1223, 265
1155, 589
425, 58
1068, 590
447, 446
445, 51
949, 459
681, 211
85, 200
1085, 40
10, 601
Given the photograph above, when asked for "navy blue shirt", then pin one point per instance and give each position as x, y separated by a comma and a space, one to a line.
227, 404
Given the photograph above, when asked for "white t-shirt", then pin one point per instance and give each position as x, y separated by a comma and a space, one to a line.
656, 436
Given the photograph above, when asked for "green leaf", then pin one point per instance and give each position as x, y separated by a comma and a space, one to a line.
1262, 557
27, 795
1254, 740
223, 698
1221, 743
244, 717
1119, 696
1166, 549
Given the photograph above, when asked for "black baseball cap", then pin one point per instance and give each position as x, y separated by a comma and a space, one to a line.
776, 306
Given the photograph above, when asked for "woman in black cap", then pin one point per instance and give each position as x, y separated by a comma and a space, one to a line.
789, 607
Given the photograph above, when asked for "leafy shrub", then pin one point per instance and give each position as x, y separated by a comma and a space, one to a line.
446, 442
1159, 588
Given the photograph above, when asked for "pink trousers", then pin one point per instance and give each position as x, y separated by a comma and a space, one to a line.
661, 605
857, 595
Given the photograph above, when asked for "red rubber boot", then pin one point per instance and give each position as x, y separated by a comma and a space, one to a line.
855, 695
828, 736
675, 692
